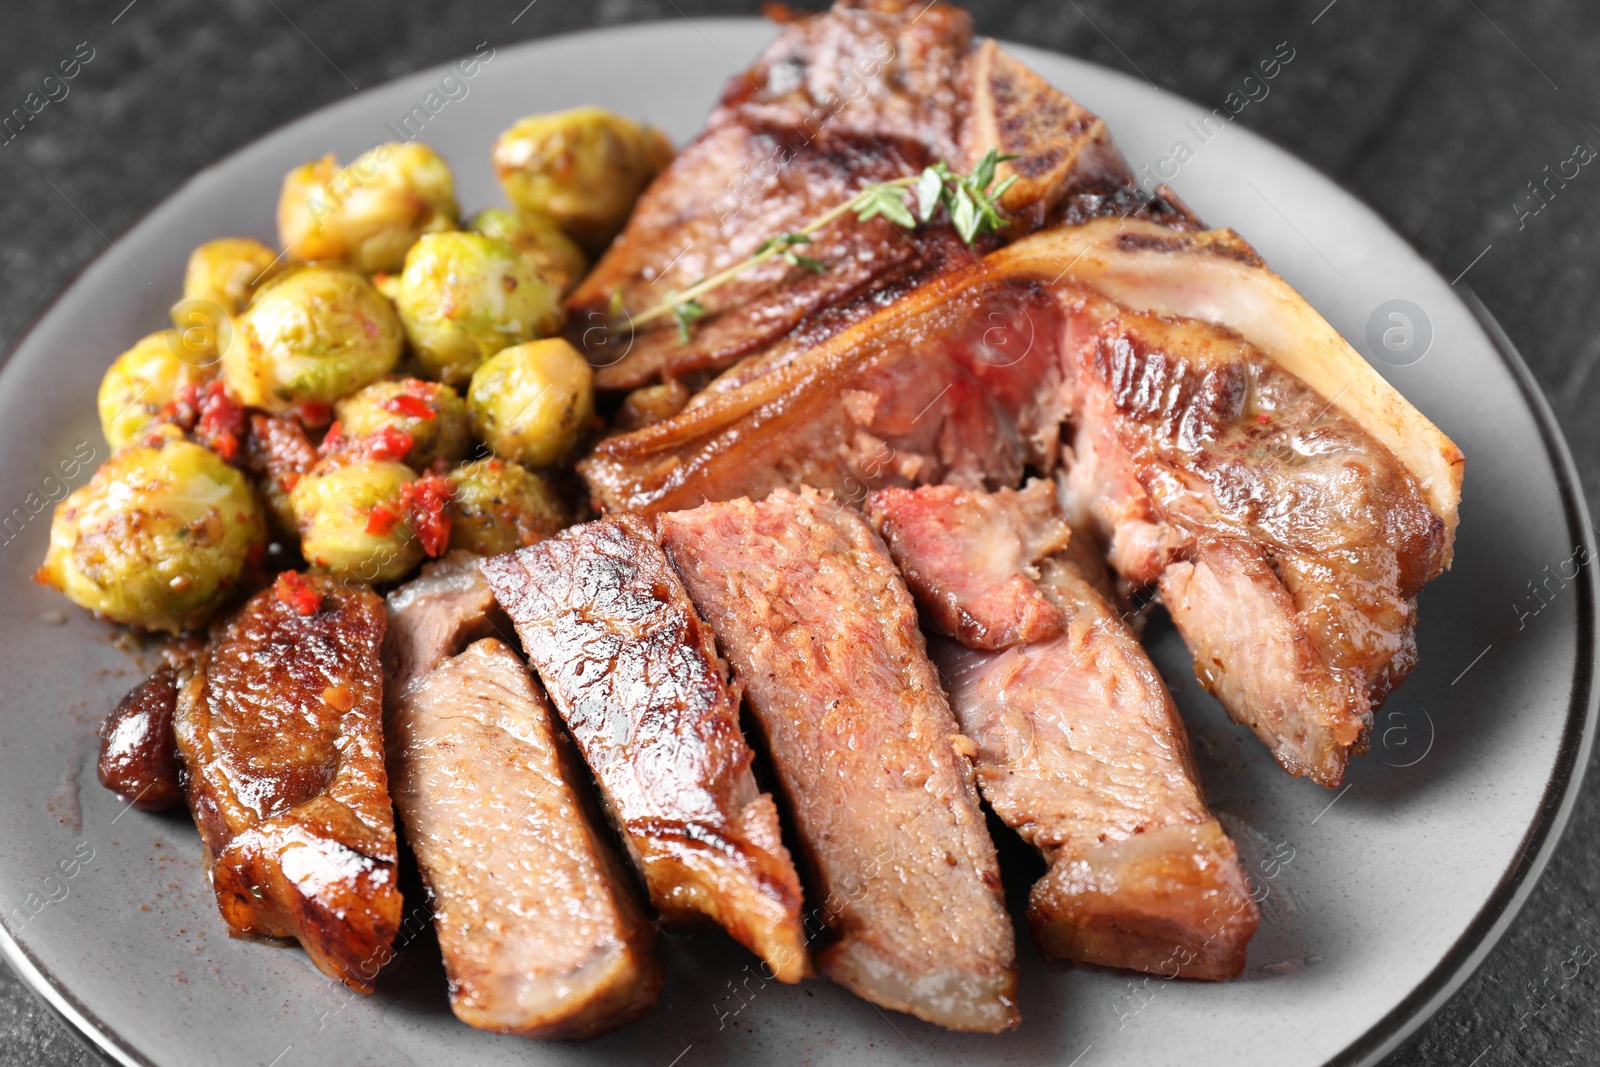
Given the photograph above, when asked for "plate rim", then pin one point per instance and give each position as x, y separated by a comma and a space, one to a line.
1516, 884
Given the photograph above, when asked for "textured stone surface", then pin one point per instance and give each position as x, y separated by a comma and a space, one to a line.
1437, 111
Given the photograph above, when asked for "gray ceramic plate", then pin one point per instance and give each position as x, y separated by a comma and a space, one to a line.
1381, 897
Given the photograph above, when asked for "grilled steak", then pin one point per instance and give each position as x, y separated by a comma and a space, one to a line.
1080, 748
635, 674
434, 616
810, 611
1224, 437
281, 734
865, 92
541, 933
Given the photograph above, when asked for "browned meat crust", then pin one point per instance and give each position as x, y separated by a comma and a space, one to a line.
541, 933
281, 734
1079, 746
635, 674
138, 754
810, 610
861, 93
1270, 519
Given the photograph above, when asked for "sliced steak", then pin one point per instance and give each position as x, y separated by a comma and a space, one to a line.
281, 734
635, 674
810, 610
971, 559
541, 932
433, 617
864, 92
1207, 402
1080, 748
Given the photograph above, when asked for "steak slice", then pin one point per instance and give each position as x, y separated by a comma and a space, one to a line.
811, 612
281, 733
635, 674
433, 617
1080, 748
541, 932
864, 92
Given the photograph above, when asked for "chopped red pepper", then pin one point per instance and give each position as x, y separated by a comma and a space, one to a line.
222, 421
424, 501
311, 413
293, 589
380, 520
406, 404
387, 442
1263, 418
333, 440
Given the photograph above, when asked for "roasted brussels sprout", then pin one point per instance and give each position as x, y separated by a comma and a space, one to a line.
428, 418
529, 403
465, 296
313, 334
158, 537
370, 212
583, 168
500, 506
352, 519
556, 258
225, 272
142, 381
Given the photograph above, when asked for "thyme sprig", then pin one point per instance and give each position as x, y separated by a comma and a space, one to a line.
972, 205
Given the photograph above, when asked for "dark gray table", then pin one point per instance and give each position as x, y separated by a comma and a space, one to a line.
1439, 112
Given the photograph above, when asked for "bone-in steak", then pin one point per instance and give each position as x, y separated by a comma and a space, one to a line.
281, 733
808, 607
635, 674
539, 926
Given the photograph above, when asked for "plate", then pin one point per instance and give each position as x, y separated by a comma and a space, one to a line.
1379, 898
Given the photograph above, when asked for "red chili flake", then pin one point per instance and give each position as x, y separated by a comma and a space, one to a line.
1262, 418
338, 697
424, 501
293, 589
387, 442
406, 404
288, 480
311, 413
380, 520
222, 421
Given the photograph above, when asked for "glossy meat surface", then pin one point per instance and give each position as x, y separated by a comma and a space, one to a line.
811, 612
1079, 749
433, 617
861, 93
280, 731
138, 754
635, 674
537, 921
